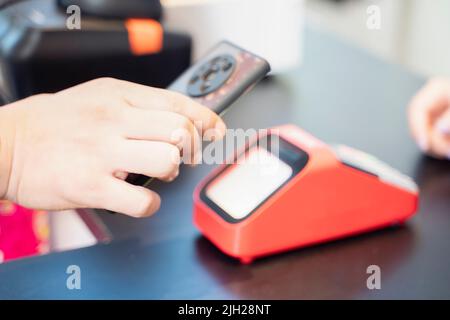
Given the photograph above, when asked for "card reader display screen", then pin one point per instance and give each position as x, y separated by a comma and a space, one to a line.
243, 186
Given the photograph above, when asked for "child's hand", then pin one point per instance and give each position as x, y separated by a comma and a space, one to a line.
73, 149
429, 118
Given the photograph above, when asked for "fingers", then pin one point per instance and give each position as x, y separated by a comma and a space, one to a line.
440, 137
144, 97
426, 106
150, 158
119, 196
164, 126
439, 145
120, 175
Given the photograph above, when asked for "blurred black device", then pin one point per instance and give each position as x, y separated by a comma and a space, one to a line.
118, 38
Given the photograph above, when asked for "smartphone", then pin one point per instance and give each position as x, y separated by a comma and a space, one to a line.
217, 80
221, 76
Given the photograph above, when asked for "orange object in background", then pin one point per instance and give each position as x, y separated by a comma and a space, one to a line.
145, 36
328, 193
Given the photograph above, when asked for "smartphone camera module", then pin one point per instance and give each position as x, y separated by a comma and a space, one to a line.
211, 76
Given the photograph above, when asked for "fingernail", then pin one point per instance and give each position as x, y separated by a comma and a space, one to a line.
176, 139
154, 207
423, 144
198, 157
171, 177
443, 127
221, 128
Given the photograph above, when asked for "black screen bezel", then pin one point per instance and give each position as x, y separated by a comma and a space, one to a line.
285, 149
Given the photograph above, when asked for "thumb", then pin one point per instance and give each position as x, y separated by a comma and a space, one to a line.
135, 201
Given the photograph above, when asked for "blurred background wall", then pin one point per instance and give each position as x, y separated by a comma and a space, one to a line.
414, 33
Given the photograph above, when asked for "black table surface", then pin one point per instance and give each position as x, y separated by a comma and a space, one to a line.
340, 94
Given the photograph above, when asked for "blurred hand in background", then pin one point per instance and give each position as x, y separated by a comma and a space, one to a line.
429, 118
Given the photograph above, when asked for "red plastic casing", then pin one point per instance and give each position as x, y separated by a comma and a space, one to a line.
326, 200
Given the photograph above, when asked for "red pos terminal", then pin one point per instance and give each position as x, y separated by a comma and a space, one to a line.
286, 189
